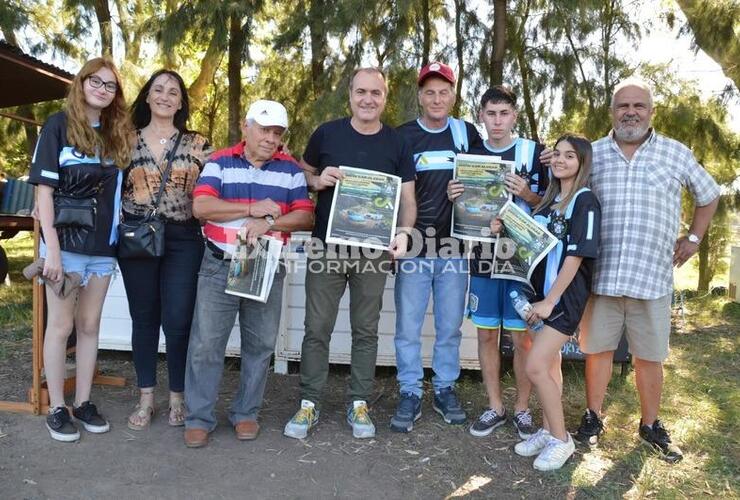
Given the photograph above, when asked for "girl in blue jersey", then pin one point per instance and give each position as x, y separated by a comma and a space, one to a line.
562, 281
75, 166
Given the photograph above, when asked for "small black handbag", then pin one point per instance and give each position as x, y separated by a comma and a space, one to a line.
74, 212
144, 238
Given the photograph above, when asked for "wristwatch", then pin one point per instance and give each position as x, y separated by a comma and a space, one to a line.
693, 238
270, 220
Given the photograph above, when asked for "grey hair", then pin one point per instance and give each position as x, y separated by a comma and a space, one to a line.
633, 82
368, 69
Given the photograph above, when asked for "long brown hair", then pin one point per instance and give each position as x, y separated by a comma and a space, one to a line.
584, 153
114, 138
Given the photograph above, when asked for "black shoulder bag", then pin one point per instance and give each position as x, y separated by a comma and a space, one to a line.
144, 238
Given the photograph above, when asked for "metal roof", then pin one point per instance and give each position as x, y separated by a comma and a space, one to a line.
26, 80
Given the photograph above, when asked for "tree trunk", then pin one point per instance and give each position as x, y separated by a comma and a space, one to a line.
426, 44
104, 24
527, 96
705, 276
498, 53
170, 6
131, 39
606, 43
318, 44
208, 66
460, 52
32, 133
237, 39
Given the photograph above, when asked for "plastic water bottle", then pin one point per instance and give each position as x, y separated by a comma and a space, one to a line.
523, 307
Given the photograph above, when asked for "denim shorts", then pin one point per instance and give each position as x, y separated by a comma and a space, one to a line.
84, 265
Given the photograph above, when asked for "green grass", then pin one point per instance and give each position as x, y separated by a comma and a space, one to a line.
701, 408
16, 304
700, 403
686, 277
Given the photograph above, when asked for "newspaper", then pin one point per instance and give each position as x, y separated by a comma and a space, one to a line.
521, 245
252, 269
364, 209
484, 196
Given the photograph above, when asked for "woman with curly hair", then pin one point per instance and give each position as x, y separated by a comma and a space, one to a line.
161, 290
77, 168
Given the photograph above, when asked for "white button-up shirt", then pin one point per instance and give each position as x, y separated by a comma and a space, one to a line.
641, 209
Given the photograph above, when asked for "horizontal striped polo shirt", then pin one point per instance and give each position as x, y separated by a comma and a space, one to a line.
231, 177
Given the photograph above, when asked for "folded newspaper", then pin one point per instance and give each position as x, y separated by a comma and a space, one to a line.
521, 245
484, 196
364, 209
253, 268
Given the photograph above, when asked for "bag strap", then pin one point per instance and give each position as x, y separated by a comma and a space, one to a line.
166, 174
459, 134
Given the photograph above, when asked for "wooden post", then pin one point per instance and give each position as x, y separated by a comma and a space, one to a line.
38, 394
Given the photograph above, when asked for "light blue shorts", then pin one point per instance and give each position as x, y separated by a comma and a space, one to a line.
84, 265
489, 304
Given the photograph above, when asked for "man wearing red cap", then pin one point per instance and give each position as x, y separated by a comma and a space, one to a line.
440, 268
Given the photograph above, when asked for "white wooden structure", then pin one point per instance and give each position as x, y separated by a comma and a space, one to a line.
734, 284
115, 329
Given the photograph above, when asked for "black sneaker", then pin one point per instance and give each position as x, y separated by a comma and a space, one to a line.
407, 412
60, 425
487, 422
591, 428
447, 405
523, 424
91, 420
657, 437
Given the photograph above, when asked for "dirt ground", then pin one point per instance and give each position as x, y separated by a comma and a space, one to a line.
433, 461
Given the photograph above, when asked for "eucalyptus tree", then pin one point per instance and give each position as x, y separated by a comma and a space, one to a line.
702, 125
222, 27
715, 25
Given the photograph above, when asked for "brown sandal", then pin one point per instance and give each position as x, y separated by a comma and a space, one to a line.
142, 414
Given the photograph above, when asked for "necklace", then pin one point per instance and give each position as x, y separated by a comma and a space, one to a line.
162, 140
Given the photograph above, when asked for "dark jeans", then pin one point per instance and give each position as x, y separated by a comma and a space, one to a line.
161, 292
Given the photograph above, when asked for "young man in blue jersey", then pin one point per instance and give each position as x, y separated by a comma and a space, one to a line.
438, 267
489, 305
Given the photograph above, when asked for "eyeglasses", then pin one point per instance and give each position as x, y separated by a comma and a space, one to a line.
96, 83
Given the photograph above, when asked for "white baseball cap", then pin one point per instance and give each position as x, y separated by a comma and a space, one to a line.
268, 113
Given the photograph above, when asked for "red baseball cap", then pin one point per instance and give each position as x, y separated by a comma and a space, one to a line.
437, 69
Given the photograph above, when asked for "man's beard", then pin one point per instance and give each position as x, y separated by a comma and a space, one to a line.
630, 134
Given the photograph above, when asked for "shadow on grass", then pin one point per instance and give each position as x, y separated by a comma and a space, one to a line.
618, 480
700, 408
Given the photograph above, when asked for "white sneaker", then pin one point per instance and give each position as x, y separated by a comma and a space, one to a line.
555, 454
359, 418
533, 445
305, 418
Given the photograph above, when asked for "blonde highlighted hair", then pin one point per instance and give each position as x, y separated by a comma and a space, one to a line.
113, 140
584, 153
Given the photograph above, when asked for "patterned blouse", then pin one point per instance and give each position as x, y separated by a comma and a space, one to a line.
144, 177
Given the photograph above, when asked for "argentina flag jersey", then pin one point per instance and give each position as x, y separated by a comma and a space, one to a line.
434, 153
